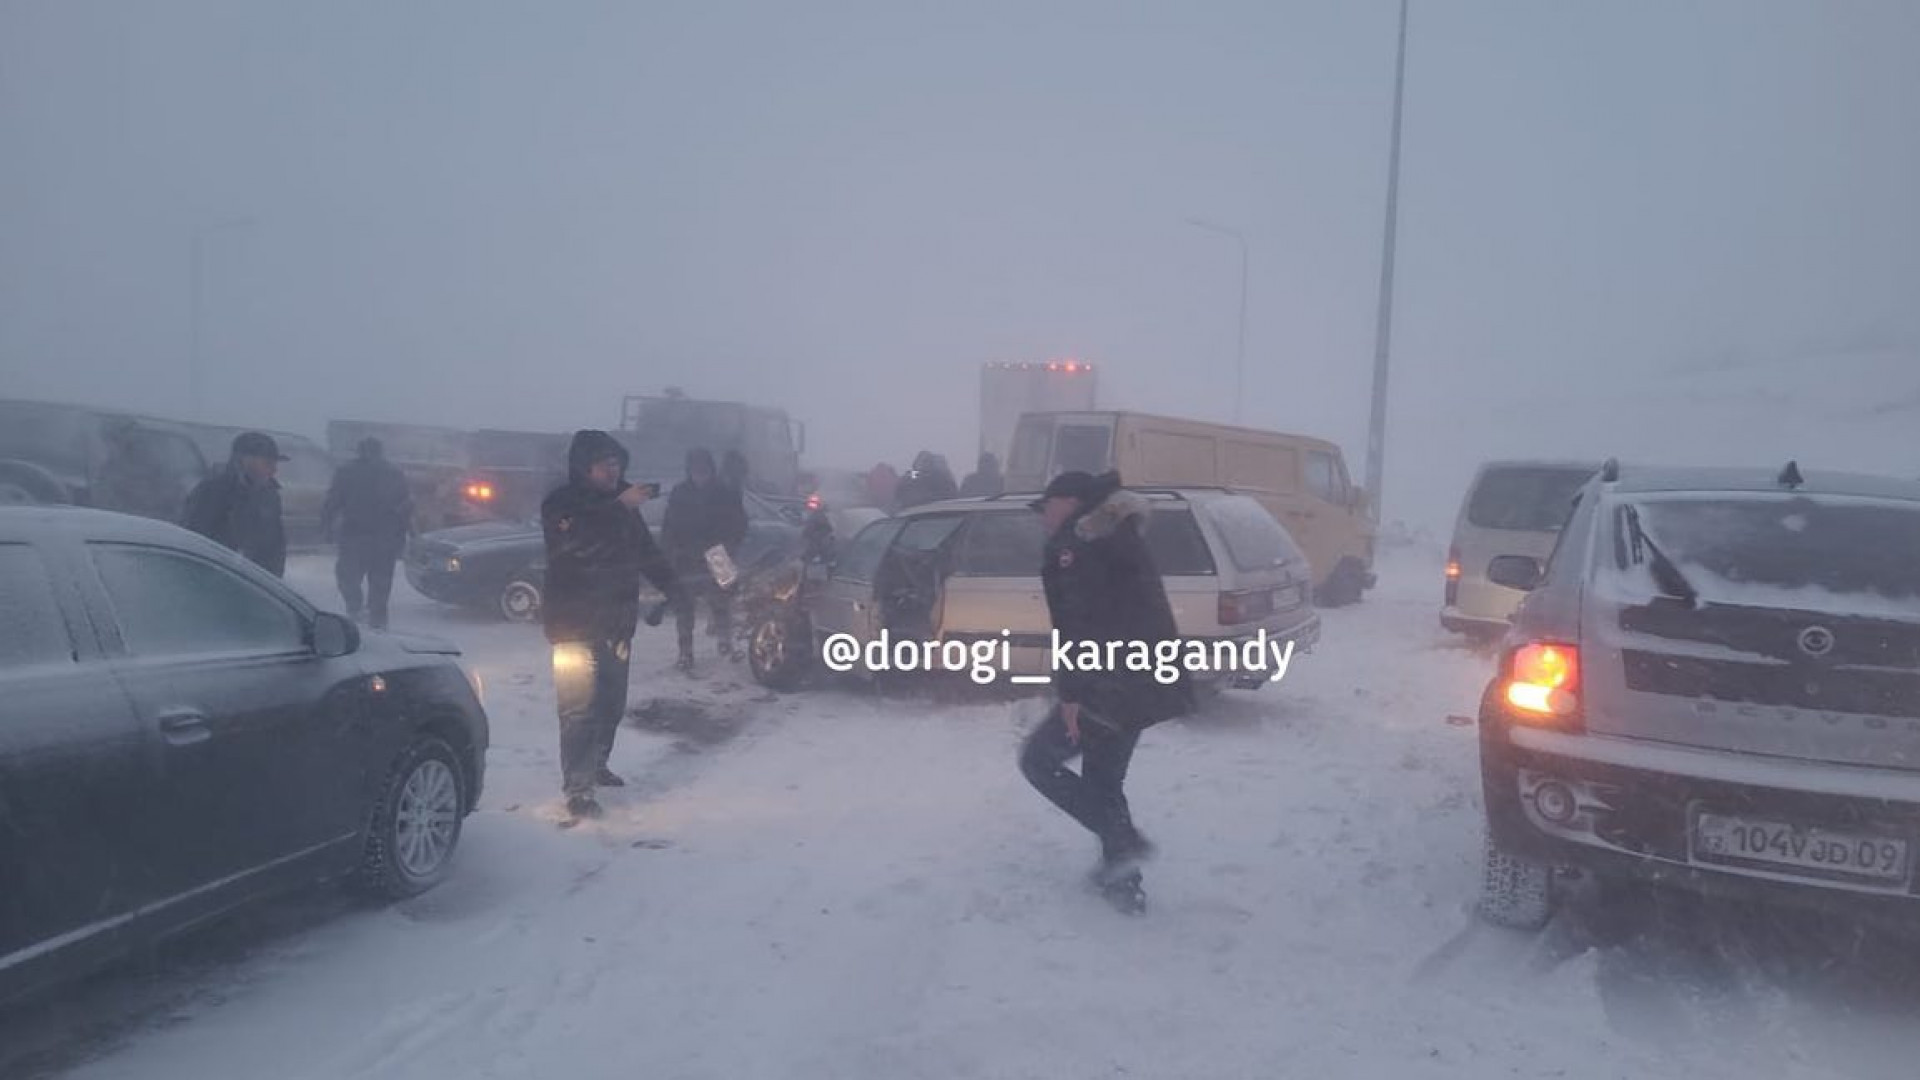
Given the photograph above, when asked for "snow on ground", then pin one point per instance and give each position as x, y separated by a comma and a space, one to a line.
839, 884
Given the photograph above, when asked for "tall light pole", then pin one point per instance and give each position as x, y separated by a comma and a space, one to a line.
1383, 330
196, 360
1240, 357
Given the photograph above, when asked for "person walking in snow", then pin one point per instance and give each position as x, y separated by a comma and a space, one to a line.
240, 505
369, 512
703, 512
1101, 585
598, 548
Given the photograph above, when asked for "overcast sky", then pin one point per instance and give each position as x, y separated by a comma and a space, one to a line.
509, 214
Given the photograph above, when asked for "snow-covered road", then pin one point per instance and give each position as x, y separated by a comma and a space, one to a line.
840, 885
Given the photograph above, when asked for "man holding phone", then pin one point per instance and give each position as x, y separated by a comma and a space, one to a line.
598, 547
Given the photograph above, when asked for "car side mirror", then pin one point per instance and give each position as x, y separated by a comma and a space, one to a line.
1521, 572
335, 635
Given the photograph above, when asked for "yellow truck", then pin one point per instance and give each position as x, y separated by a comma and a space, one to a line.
1301, 480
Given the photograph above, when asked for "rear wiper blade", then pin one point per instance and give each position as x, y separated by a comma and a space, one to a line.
1665, 573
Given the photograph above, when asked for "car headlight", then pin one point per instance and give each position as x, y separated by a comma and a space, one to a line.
479, 685
451, 566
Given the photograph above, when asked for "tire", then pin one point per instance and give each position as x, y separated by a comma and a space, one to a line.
1344, 586
520, 601
414, 828
780, 651
1515, 893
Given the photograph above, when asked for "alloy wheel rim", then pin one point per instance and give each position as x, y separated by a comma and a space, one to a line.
426, 818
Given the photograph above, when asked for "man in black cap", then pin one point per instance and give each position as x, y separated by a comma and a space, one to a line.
369, 511
1101, 586
239, 506
598, 547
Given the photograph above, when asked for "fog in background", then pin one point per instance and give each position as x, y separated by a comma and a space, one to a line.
1615, 216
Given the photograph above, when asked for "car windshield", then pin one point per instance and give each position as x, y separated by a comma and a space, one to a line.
1525, 498
1789, 550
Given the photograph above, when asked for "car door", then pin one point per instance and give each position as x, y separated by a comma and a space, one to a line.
995, 584
845, 604
73, 779
258, 755
908, 587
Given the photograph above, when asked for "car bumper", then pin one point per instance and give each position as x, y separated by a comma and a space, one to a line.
1638, 804
448, 588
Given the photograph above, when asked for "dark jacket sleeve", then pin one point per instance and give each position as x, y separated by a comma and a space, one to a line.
733, 524
330, 510
655, 565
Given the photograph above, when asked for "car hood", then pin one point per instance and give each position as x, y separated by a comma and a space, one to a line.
485, 532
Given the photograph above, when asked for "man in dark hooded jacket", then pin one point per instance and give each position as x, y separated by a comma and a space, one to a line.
985, 479
928, 481
369, 511
240, 505
1101, 586
598, 547
704, 511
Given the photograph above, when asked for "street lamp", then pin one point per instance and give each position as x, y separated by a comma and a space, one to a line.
1383, 330
1240, 358
196, 361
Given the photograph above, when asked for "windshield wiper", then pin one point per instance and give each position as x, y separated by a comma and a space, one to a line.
1665, 573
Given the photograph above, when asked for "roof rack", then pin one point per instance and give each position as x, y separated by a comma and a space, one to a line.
1790, 476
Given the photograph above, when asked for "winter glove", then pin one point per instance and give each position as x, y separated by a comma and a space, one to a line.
658, 612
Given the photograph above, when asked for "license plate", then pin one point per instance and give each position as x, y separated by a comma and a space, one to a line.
1741, 841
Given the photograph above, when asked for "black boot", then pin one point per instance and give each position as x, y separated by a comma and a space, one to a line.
608, 778
584, 805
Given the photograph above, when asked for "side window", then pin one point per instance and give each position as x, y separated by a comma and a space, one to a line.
1324, 479
926, 534
1001, 545
1082, 448
172, 604
33, 633
1178, 547
862, 556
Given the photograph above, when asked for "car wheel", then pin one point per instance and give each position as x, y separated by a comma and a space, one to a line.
1344, 586
415, 826
779, 651
520, 601
1515, 893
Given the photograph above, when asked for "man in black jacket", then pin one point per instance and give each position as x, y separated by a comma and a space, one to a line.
597, 549
704, 511
369, 510
240, 505
985, 479
1101, 586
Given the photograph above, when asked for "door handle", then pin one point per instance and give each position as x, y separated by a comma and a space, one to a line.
184, 727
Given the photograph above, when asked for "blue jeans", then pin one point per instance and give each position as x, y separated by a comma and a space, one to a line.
590, 681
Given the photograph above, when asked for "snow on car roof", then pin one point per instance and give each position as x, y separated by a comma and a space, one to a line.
1750, 480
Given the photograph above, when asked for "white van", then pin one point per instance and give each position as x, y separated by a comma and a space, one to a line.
1511, 508
1301, 480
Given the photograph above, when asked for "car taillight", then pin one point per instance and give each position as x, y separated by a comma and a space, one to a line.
1246, 606
480, 492
1453, 576
813, 501
1543, 684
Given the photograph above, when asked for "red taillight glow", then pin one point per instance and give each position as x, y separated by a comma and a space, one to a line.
1544, 681
480, 492
813, 501
1453, 571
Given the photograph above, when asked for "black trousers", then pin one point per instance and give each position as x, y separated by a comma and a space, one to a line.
590, 680
696, 585
366, 565
1095, 796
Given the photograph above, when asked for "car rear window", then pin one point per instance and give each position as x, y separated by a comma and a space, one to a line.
1179, 548
1526, 498
1764, 550
1254, 540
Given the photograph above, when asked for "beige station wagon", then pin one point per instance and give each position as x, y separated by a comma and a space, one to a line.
968, 570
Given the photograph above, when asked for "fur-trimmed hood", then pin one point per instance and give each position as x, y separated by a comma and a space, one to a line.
1106, 516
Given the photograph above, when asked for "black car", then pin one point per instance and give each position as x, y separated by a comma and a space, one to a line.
500, 566
180, 733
